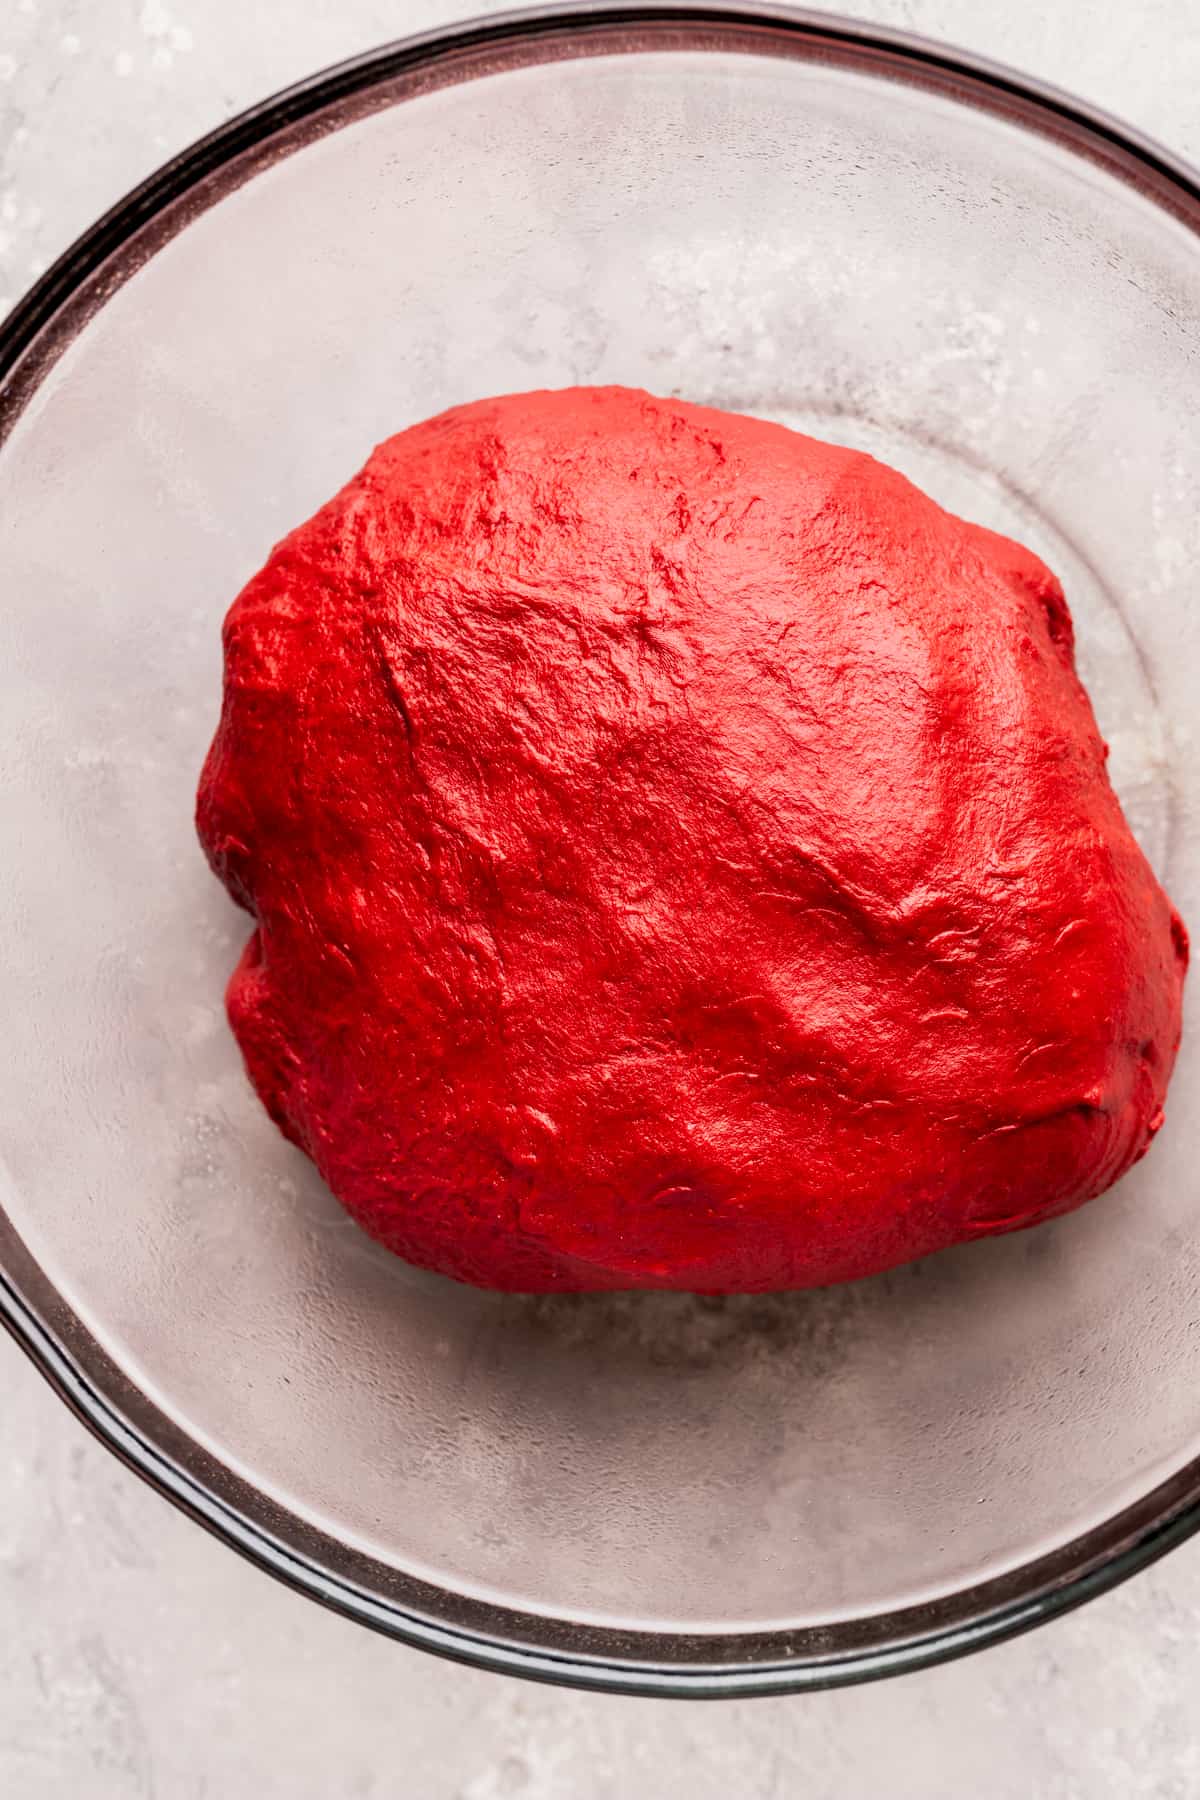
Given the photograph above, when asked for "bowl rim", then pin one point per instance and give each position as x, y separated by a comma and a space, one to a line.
147, 1440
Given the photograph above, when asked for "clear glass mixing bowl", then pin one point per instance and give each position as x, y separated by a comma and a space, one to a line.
983, 282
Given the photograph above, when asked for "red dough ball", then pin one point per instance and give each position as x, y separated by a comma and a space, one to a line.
682, 856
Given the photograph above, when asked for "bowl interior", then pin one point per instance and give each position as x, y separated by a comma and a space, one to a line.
1003, 313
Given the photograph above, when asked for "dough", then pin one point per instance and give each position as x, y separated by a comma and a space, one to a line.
682, 856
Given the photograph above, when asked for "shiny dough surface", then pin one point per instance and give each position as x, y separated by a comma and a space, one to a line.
682, 856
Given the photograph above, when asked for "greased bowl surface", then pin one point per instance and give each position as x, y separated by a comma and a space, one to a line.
979, 281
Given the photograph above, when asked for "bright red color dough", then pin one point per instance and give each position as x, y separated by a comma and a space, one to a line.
682, 857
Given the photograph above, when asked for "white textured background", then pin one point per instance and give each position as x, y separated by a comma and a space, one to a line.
137, 1657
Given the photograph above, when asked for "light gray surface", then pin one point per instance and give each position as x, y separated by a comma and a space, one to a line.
140, 1658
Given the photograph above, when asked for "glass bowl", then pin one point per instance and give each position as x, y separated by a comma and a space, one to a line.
982, 281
